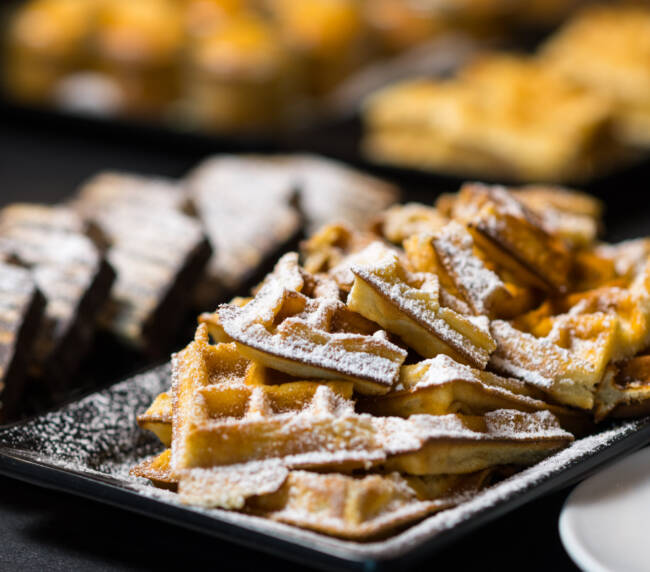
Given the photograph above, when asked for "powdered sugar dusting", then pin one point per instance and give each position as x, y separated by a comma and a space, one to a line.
97, 437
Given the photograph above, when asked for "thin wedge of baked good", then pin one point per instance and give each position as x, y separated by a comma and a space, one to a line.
288, 331
157, 251
246, 205
71, 273
408, 305
157, 470
21, 311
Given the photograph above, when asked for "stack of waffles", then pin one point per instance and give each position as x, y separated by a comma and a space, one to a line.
383, 375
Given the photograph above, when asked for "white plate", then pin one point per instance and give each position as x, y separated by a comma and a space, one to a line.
605, 522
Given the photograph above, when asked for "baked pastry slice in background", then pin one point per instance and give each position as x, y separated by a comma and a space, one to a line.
73, 275
21, 311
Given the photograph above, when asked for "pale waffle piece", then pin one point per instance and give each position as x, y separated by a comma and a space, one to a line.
158, 418
457, 444
362, 508
513, 237
440, 386
625, 390
21, 312
285, 330
503, 117
399, 222
247, 207
606, 49
72, 274
157, 251
567, 364
408, 305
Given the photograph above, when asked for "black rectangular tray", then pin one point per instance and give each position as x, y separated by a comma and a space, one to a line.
87, 448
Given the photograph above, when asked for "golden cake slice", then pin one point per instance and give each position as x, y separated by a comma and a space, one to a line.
503, 117
606, 49
408, 305
285, 330
625, 390
567, 364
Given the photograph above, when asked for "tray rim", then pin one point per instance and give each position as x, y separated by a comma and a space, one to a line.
297, 544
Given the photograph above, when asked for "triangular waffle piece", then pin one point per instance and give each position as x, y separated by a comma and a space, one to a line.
73, 276
455, 444
246, 206
567, 364
408, 305
157, 251
513, 237
21, 312
440, 386
625, 390
365, 507
285, 330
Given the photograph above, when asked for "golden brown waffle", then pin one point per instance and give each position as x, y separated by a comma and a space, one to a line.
440, 386
288, 331
409, 305
356, 418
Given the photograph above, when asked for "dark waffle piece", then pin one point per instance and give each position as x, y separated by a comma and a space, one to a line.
247, 205
72, 274
21, 311
157, 251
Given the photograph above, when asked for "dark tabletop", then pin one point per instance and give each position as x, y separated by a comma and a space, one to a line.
43, 160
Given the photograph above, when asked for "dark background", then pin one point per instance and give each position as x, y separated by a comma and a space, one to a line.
44, 159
